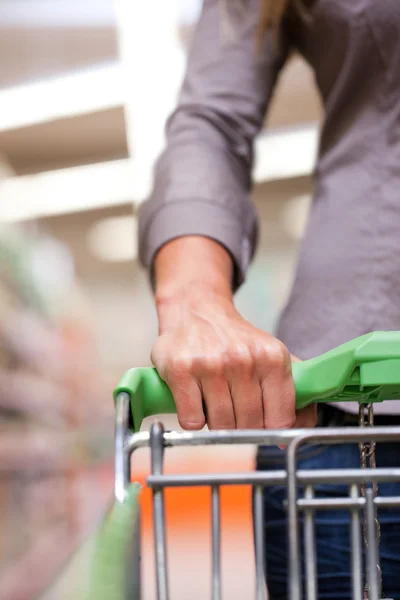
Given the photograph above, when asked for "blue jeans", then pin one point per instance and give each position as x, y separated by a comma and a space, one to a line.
332, 527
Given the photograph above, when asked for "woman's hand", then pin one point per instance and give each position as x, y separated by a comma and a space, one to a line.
222, 370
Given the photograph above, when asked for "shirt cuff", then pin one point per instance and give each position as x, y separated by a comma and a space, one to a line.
197, 217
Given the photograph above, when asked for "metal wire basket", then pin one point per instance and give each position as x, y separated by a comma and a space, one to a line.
366, 370
297, 503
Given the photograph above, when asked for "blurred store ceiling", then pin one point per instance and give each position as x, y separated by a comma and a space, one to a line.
85, 87
47, 38
62, 95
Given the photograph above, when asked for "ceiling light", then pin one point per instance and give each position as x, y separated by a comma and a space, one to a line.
114, 239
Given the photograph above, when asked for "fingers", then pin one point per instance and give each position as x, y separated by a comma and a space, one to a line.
306, 417
218, 400
278, 392
189, 402
178, 374
247, 401
244, 384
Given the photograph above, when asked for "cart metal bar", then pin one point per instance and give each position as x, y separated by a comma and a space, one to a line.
157, 460
356, 554
259, 541
346, 476
295, 584
346, 503
267, 437
326, 436
269, 478
372, 555
290, 477
122, 455
309, 541
216, 542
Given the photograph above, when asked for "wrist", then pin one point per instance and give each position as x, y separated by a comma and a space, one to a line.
192, 288
178, 305
192, 267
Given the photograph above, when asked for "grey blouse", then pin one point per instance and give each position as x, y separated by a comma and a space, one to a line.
348, 274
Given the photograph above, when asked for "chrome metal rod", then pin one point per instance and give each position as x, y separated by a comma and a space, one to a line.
356, 553
295, 584
157, 460
216, 543
259, 541
346, 503
269, 437
387, 501
268, 477
310, 552
327, 476
372, 554
122, 454
347, 476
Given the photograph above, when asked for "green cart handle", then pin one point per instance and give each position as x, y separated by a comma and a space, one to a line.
364, 370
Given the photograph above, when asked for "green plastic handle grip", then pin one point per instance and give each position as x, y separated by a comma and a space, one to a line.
366, 369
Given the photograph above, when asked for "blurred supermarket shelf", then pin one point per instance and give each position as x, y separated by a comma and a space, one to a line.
50, 529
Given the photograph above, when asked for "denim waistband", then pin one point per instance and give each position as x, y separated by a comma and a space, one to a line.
331, 416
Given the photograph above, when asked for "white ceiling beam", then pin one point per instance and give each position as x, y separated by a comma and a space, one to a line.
126, 83
152, 85
279, 155
71, 95
65, 191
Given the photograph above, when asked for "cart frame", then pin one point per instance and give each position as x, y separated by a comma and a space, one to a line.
126, 443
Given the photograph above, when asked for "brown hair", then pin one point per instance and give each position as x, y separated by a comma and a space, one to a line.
273, 11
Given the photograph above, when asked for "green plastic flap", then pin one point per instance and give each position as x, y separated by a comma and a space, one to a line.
107, 565
364, 370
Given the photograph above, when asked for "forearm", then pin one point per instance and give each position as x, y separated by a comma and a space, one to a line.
190, 271
203, 178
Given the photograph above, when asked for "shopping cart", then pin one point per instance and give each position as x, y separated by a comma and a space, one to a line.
365, 370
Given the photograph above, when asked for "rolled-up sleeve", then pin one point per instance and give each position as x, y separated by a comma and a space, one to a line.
202, 180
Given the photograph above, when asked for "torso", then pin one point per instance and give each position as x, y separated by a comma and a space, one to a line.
348, 277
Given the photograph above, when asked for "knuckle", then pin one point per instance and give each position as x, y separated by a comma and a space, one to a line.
179, 366
277, 355
239, 358
260, 352
157, 355
211, 365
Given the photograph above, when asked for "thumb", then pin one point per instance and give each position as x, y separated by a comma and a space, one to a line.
306, 417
